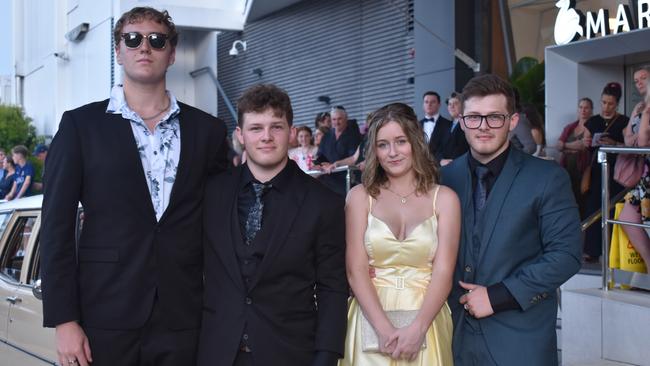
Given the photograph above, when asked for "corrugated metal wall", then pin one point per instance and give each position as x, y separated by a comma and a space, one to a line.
357, 52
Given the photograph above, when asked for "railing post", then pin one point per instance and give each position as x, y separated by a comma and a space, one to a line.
347, 179
602, 159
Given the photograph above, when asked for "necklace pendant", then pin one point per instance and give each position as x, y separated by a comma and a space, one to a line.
403, 200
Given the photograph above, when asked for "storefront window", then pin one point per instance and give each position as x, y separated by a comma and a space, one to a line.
533, 22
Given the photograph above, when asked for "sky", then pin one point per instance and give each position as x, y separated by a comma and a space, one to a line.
5, 37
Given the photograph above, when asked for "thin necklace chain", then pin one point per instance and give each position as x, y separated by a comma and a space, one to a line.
159, 112
402, 198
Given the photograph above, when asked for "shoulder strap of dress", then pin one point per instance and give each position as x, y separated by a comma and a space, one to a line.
435, 196
369, 203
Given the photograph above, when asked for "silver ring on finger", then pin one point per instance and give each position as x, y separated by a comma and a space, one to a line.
466, 307
72, 362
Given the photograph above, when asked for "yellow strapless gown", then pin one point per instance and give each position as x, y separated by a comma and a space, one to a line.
403, 272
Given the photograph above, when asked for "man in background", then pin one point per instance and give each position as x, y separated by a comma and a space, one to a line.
436, 128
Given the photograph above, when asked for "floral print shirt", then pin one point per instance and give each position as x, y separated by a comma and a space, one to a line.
159, 151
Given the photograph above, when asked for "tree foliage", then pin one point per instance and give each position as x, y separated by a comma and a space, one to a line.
15, 128
528, 78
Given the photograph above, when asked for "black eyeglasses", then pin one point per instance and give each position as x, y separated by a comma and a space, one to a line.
133, 40
474, 121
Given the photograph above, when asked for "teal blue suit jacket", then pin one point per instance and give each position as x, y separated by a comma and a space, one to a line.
530, 242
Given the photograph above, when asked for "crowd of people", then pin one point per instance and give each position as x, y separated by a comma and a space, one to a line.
344, 145
579, 143
449, 251
17, 173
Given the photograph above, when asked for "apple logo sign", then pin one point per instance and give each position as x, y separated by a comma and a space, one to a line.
568, 24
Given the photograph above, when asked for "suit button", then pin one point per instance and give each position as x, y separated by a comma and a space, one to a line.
245, 336
468, 269
249, 301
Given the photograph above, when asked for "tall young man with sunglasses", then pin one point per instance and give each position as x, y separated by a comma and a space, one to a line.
520, 239
130, 291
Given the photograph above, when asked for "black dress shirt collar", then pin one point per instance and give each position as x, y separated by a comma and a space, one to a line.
495, 166
280, 182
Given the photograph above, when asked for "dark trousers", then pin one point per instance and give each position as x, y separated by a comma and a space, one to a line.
593, 235
152, 345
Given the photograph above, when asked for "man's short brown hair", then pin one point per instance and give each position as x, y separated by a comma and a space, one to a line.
260, 97
21, 150
142, 13
490, 84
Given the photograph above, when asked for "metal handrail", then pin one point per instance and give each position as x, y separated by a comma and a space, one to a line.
595, 217
641, 280
345, 168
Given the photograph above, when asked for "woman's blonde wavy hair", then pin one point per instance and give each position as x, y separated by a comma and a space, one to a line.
424, 166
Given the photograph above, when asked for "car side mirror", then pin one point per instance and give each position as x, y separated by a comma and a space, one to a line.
36, 289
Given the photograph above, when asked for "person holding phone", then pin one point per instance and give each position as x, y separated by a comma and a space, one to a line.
604, 129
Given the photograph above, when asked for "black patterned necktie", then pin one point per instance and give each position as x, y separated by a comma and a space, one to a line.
480, 193
254, 219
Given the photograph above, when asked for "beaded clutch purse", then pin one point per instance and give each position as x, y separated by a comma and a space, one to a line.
399, 319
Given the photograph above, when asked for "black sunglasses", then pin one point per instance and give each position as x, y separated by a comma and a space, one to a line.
133, 40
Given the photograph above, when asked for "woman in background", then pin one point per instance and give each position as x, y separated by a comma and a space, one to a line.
323, 120
637, 201
604, 129
575, 156
7, 181
318, 135
306, 152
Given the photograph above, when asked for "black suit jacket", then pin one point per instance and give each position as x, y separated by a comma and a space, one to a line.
297, 303
124, 256
439, 136
456, 144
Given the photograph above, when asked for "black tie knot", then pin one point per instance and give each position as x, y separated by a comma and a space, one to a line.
260, 189
429, 120
482, 172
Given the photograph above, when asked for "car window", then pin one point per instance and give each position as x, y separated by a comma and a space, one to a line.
35, 267
34, 273
12, 257
4, 220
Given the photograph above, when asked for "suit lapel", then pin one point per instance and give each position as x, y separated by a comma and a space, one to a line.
293, 197
227, 207
498, 196
127, 143
188, 145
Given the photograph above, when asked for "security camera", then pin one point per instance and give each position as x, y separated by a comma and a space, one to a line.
78, 33
234, 51
61, 55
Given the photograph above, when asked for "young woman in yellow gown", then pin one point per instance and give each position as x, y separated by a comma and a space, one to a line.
402, 232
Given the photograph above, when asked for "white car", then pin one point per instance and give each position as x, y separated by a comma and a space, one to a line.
23, 340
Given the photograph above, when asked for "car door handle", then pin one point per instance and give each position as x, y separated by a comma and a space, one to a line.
14, 299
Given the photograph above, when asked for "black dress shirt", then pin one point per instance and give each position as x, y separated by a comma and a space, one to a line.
250, 256
500, 297
332, 149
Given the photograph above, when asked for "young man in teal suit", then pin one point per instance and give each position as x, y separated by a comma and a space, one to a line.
520, 239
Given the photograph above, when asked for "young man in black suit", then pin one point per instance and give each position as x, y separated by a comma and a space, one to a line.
276, 289
436, 127
130, 292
